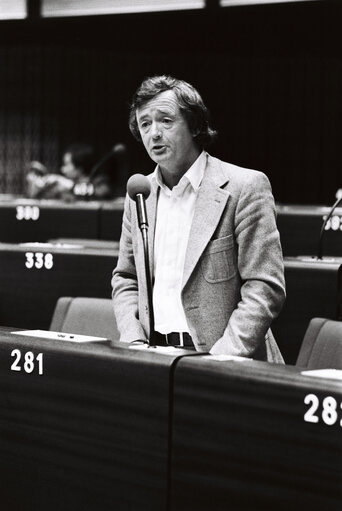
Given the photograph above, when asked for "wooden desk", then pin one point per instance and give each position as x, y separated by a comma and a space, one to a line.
39, 220
111, 220
314, 289
240, 440
91, 433
106, 427
300, 226
34, 276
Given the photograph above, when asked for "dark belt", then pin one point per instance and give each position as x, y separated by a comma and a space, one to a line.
174, 339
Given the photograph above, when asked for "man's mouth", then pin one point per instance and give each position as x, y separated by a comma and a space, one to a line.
158, 148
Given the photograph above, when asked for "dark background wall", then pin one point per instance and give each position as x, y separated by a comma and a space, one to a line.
271, 76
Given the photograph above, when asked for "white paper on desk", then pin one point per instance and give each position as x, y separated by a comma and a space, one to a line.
223, 358
335, 374
59, 336
164, 350
38, 244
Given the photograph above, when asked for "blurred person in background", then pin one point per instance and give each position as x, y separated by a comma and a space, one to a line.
80, 178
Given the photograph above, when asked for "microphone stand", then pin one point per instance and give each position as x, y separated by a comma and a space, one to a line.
320, 241
140, 202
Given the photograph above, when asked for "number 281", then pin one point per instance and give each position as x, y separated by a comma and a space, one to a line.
29, 361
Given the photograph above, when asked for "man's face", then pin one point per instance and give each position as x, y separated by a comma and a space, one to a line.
165, 133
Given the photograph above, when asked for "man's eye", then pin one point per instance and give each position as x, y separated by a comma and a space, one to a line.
166, 120
144, 124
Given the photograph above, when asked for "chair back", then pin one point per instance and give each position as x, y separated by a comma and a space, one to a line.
85, 316
322, 345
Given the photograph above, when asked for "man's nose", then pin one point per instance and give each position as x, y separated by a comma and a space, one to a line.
156, 131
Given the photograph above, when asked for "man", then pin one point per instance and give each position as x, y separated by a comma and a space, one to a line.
215, 254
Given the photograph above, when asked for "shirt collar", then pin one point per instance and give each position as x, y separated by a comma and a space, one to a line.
193, 175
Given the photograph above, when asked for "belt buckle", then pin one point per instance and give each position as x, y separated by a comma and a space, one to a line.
167, 340
180, 339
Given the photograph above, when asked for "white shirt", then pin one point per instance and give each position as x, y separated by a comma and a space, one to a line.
175, 212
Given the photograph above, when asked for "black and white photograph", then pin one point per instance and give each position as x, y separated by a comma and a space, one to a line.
170, 255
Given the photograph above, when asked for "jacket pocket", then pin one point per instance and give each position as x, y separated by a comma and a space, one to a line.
218, 262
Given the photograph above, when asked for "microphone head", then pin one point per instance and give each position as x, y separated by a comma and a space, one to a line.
119, 149
138, 183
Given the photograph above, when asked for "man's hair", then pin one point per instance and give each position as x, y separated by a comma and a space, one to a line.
82, 156
190, 103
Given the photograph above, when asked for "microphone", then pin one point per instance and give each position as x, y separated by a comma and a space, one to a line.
86, 188
116, 150
138, 189
329, 215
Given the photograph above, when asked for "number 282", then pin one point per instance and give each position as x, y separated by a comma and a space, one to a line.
329, 412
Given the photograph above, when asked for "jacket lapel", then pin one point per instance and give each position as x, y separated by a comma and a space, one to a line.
209, 207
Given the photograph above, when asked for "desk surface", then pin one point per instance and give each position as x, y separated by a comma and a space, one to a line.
240, 440
111, 428
40, 220
90, 433
300, 228
34, 276
306, 210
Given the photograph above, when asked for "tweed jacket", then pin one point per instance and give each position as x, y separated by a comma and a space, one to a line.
233, 281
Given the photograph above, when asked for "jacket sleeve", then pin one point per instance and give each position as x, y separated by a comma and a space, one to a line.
125, 284
261, 268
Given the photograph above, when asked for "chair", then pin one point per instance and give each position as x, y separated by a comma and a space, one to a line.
322, 345
85, 316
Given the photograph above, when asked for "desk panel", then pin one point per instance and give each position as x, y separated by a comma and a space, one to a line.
300, 226
91, 433
38, 220
34, 276
111, 220
314, 289
240, 441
